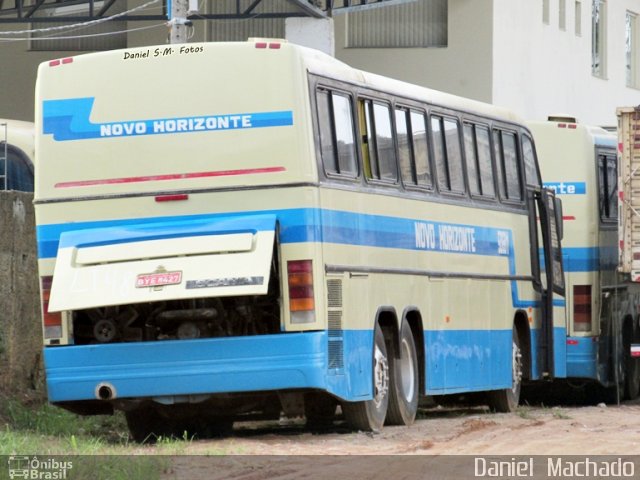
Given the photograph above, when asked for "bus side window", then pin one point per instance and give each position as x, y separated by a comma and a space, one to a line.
508, 165
478, 155
448, 154
421, 149
411, 134
337, 139
531, 175
367, 140
378, 148
608, 183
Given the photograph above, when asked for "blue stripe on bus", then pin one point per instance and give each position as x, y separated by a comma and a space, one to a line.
311, 225
70, 119
164, 230
457, 361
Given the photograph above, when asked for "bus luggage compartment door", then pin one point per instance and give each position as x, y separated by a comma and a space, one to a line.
155, 261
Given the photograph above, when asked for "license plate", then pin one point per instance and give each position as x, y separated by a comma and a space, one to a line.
158, 279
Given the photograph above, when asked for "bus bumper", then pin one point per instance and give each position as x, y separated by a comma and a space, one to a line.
193, 367
582, 355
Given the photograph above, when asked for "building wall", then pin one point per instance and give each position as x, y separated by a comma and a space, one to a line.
464, 67
19, 65
20, 323
499, 51
540, 69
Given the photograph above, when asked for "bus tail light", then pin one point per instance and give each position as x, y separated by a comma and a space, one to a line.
301, 302
52, 320
582, 308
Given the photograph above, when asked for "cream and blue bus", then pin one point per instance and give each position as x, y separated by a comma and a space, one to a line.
580, 164
257, 228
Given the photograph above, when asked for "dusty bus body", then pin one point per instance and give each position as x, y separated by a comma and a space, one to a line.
579, 163
230, 228
156, 216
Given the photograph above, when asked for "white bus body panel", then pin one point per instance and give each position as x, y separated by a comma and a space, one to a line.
142, 270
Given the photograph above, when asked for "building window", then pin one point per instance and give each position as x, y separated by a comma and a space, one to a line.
415, 24
599, 38
545, 12
631, 49
562, 14
578, 18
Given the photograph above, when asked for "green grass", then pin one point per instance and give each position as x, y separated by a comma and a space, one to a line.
524, 411
101, 441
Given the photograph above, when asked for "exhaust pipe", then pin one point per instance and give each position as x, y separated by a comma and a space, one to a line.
105, 391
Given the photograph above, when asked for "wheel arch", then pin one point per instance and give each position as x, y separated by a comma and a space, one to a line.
387, 320
413, 317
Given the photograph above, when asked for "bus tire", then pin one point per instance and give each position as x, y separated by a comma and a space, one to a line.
369, 415
507, 400
631, 365
404, 381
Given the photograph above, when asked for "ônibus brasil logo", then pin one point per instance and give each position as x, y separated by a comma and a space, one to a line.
23, 466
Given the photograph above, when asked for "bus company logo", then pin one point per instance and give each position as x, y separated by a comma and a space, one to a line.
567, 188
69, 119
159, 278
37, 469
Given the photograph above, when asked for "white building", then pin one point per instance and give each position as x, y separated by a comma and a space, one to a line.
537, 57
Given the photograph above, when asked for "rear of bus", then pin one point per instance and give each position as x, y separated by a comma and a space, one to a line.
176, 195
578, 163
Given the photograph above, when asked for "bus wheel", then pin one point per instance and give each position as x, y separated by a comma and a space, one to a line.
369, 415
404, 382
507, 400
631, 366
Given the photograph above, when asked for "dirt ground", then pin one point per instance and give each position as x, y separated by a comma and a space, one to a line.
252, 452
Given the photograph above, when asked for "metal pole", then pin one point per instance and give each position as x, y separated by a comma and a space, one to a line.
178, 21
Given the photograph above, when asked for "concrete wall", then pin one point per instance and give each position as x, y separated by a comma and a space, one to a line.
464, 67
20, 324
541, 69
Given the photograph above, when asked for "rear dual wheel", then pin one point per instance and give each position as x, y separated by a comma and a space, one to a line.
369, 415
395, 386
507, 400
403, 393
